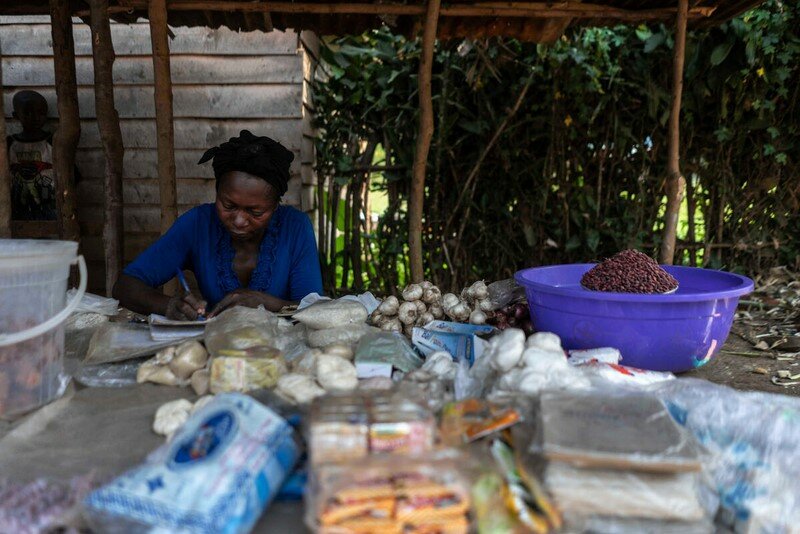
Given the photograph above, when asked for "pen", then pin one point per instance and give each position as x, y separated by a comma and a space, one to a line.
185, 285
182, 280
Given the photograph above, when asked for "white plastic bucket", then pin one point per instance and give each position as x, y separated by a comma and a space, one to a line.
33, 287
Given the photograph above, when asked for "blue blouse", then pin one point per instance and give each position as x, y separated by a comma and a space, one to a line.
287, 268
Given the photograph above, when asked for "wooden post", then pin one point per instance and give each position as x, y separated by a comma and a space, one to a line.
416, 197
165, 130
676, 185
65, 141
5, 172
111, 136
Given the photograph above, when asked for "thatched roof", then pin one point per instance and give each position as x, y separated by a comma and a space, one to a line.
532, 21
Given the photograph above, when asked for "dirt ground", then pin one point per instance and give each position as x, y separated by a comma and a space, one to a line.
746, 372
764, 345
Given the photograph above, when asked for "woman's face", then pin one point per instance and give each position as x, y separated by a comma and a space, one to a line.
245, 204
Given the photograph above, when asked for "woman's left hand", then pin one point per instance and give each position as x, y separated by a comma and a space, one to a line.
248, 298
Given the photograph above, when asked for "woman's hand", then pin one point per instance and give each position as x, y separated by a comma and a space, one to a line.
185, 307
250, 299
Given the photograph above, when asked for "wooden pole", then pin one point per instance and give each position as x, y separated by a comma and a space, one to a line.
165, 129
5, 172
111, 136
65, 141
676, 185
416, 197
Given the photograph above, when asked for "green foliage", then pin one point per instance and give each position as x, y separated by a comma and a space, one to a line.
577, 173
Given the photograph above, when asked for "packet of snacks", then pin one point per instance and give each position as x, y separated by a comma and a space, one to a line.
387, 493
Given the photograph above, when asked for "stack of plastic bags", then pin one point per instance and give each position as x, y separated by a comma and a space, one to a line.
619, 462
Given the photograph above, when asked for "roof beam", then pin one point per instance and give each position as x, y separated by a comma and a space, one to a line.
485, 9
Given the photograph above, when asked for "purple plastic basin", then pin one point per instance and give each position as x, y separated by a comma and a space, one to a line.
676, 332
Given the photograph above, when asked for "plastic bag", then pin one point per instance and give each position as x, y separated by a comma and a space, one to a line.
624, 525
351, 426
242, 328
504, 292
393, 494
426, 387
246, 370
753, 440
604, 374
473, 419
367, 299
91, 303
625, 493
387, 347
609, 430
332, 314
109, 375
117, 342
218, 474
42, 505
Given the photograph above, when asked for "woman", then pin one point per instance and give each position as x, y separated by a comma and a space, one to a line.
245, 249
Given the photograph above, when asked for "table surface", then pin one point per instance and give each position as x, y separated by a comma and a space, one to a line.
105, 431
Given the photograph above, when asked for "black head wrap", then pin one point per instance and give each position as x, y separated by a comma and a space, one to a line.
259, 156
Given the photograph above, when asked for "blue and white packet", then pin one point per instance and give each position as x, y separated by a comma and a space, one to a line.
218, 474
459, 328
460, 340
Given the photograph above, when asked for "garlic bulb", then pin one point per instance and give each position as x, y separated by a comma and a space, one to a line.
449, 300
431, 295
392, 325
171, 416
412, 292
389, 306
477, 317
424, 319
479, 290
408, 313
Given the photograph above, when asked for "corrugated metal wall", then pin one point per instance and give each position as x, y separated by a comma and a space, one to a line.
223, 81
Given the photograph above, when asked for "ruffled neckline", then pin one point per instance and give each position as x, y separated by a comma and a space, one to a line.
261, 278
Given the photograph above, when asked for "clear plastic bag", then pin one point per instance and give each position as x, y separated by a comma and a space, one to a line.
387, 347
625, 493
109, 375
426, 387
614, 430
243, 328
91, 303
393, 494
617, 525
753, 440
246, 370
349, 426
117, 342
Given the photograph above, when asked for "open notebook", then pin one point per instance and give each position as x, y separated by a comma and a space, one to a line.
162, 329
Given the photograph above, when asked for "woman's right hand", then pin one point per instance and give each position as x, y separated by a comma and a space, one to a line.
185, 307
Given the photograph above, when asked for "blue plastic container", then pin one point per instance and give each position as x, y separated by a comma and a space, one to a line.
675, 332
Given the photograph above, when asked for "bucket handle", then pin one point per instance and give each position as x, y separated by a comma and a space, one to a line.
38, 330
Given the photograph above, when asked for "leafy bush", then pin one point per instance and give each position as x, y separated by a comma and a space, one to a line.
576, 172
